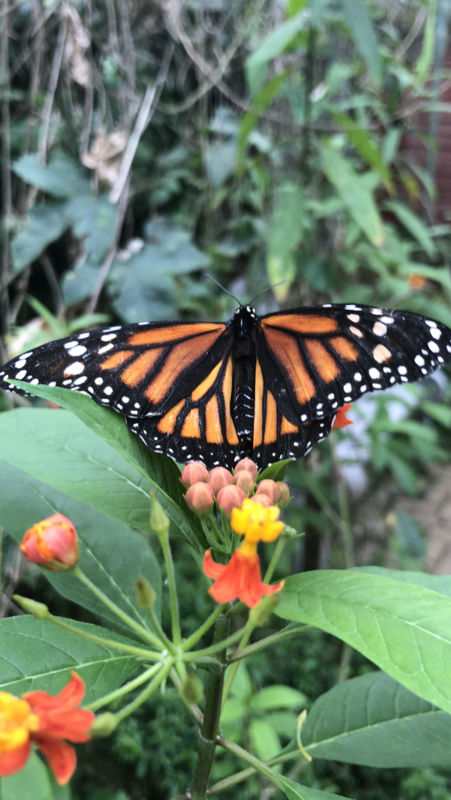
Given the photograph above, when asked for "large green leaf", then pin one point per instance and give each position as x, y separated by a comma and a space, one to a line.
354, 192
43, 225
62, 177
374, 721
437, 583
30, 783
295, 791
404, 629
285, 234
363, 34
63, 453
112, 555
36, 654
414, 225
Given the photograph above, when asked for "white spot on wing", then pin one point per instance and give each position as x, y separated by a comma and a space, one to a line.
108, 337
379, 329
75, 368
79, 350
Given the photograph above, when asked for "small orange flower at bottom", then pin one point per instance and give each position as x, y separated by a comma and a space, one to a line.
341, 419
45, 720
241, 577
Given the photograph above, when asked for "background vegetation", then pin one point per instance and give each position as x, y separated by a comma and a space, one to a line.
146, 143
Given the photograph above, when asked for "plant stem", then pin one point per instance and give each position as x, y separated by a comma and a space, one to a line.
159, 630
217, 646
275, 557
231, 674
108, 698
210, 724
192, 707
166, 547
269, 641
142, 697
194, 638
227, 783
258, 765
140, 629
125, 648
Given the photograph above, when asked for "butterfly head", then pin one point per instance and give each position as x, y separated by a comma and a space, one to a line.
244, 321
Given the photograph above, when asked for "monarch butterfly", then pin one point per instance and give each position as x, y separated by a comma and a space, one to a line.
267, 387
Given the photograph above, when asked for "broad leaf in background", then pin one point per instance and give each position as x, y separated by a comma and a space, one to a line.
285, 233
295, 791
437, 583
374, 721
424, 63
404, 629
142, 287
364, 35
55, 447
61, 177
36, 654
112, 555
42, 226
30, 783
364, 145
274, 44
414, 225
161, 471
354, 192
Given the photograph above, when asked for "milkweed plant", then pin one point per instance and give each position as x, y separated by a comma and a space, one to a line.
89, 504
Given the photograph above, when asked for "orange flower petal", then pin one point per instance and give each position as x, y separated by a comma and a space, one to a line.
61, 757
73, 725
14, 760
69, 697
241, 579
211, 568
341, 419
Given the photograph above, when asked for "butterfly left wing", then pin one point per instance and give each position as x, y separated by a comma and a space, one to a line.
316, 360
199, 427
274, 436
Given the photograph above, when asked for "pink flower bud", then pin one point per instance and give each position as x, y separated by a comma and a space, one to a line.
248, 465
196, 472
285, 494
220, 477
245, 481
230, 497
200, 497
263, 499
271, 489
52, 543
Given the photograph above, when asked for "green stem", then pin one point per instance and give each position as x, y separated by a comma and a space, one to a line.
192, 707
275, 638
159, 630
254, 762
227, 783
275, 557
194, 638
140, 629
193, 655
149, 655
231, 674
108, 698
142, 697
210, 725
345, 526
166, 547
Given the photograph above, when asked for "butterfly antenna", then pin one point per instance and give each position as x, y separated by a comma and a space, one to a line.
223, 289
266, 290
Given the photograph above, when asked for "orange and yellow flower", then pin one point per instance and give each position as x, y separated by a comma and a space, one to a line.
45, 720
52, 543
241, 577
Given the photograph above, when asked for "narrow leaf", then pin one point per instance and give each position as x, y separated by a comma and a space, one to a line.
414, 225
273, 45
363, 33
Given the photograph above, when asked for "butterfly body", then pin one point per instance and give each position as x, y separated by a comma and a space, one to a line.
266, 387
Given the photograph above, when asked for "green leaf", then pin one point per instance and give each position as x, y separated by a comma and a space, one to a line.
43, 225
414, 225
295, 791
161, 471
264, 740
277, 697
62, 177
403, 629
55, 447
363, 145
285, 234
274, 44
262, 101
364, 36
32, 782
112, 555
437, 583
276, 472
425, 60
439, 412
36, 654
355, 194
94, 220
374, 721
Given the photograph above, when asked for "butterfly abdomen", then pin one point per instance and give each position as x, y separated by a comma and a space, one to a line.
243, 406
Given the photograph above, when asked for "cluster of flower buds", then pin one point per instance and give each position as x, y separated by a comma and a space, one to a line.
229, 489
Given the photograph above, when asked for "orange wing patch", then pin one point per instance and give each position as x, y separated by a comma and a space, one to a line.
270, 419
117, 359
191, 426
303, 323
258, 406
140, 367
173, 333
231, 436
181, 356
287, 427
324, 363
286, 351
213, 432
344, 348
168, 422
203, 387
